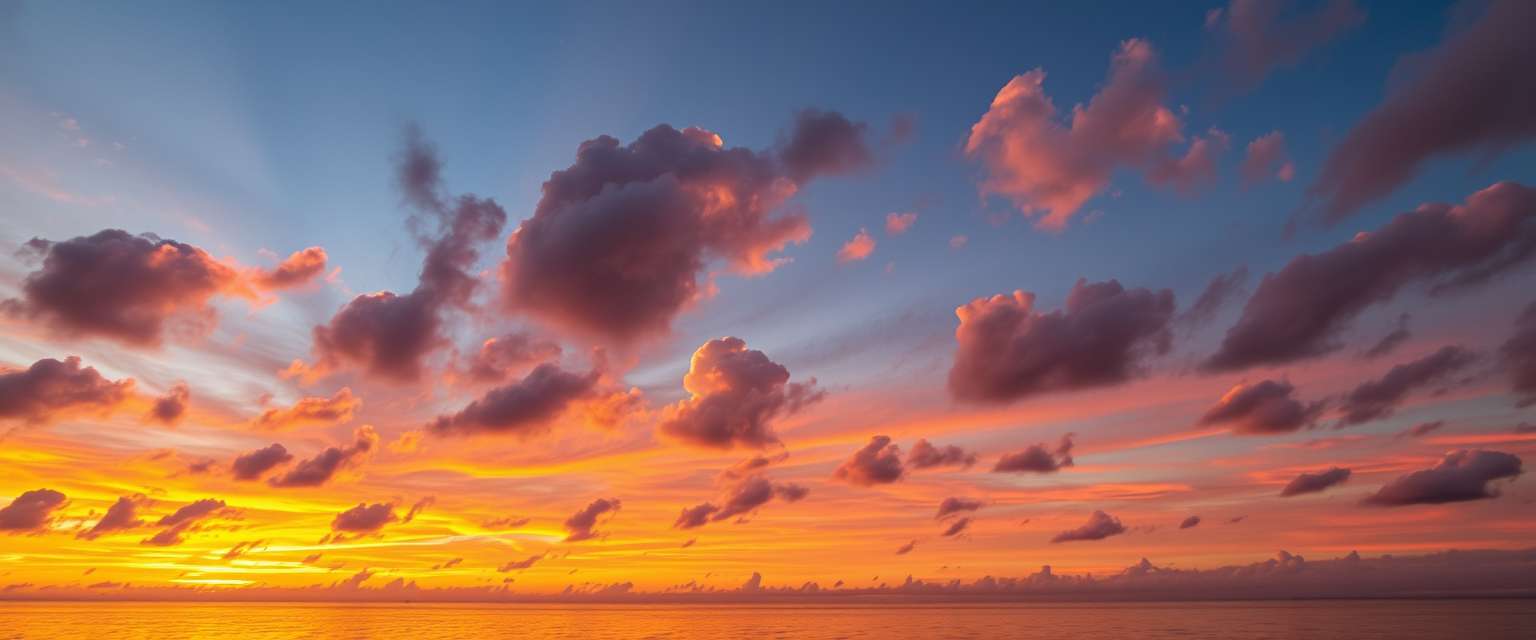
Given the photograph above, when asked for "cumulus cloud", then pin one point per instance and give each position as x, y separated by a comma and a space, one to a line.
121, 516
499, 357
657, 212
184, 520
736, 394
1460, 476
313, 410
1376, 399
1037, 458
581, 525
389, 335
364, 518
525, 407
1051, 169
858, 248
50, 389
169, 408
1519, 356
1266, 158
318, 470
297, 269
1297, 312
1100, 525
878, 462
741, 498
253, 464
925, 455
1008, 350
1260, 36
1438, 108
1315, 482
897, 223
31, 512
1261, 408
951, 506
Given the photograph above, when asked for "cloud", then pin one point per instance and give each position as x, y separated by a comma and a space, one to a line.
736, 394
752, 465
739, 499
898, 223
1261, 408
253, 464
580, 526
1460, 476
1051, 170
858, 248
499, 357
951, 506
1100, 525
658, 211
1437, 108
525, 407
1221, 289
1376, 399
1037, 458
50, 389
1422, 429
364, 518
313, 410
121, 516
1266, 158
169, 408
417, 509
879, 462
925, 455
1390, 342
1256, 38
1190, 522
957, 527
318, 470
1315, 482
297, 269
31, 512
389, 335
1197, 167
184, 520
906, 548
1518, 354
1297, 312
519, 565
1007, 350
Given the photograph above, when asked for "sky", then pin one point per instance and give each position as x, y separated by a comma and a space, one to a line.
499, 301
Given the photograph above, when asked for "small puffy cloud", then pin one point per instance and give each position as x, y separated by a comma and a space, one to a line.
318, 470
313, 410
1100, 525
524, 407
49, 389
31, 512
364, 518
123, 515
951, 506
1297, 312
1439, 110
1266, 158
1261, 408
581, 525
898, 223
519, 565
1376, 399
251, 465
878, 462
1315, 482
169, 408
1008, 350
1422, 429
858, 248
1037, 458
1519, 357
736, 394
1258, 36
925, 455
1460, 476
185, 519
739, 499
906, 548
297, 269
1190, 522
957, 527
824, 143
499, 357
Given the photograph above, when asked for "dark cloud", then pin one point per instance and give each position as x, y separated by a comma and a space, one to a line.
695, 516
1037, 458
1266, 157
1222, 288
1460, 476
878, 462
498, 358
1298, 312
925, 455
824, 143
1436, 107
318, 470
519, 565
253, 464
417, 509
1007, 350
1390, 342
906, 548
740, 499
525, 407
951, 506
752, 465
1315, 482
957, 527
297, 269
1100, 525
50, 388
1190, 522
31, 511
169, 408
1260, 36
580, 525
364, 518
735, 395
315, 410
1261, 408
184, 520
121, 516
390, 335
1519, 356
1378, 398
1422, 429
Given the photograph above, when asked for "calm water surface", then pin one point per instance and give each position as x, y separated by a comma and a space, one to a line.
1404, 620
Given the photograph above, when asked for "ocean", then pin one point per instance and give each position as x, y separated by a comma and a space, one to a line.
1311, 620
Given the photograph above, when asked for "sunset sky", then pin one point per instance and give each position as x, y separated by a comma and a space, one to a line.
681, 297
